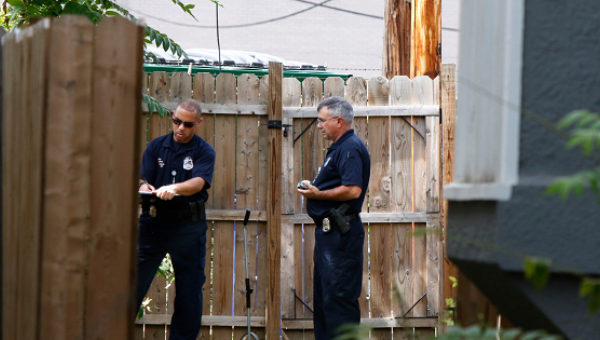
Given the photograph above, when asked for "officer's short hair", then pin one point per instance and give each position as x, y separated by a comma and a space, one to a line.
338, 107
190, 105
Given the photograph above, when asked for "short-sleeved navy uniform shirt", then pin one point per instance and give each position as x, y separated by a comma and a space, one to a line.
347, 163
165, 159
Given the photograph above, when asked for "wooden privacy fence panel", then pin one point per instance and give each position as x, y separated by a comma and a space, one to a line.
399, 122
70, 132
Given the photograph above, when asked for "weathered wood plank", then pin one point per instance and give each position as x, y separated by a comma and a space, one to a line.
361, 130
371, 111
239, 297
238, 321
432, 161
422, 94
224, 176
181, 87
159, 90
309, 267
288, 268
419, 270
381, 334
222, 268
401, 168
264, 90
334, 86
378, 91
402, 268
274, 204
299, 271
365, 292
263, 153
298, 165
204, 89
67, 179
261, 272
247, 163
155, 332
356, 92
208, 270
114, 143
206, 131
379, 150
376, 218
226, 89
432, 265
381, 271
248, 90
312, 92
291, 97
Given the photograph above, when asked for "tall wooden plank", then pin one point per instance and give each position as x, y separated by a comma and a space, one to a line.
247, 164
404, 333
422, 94
365, 292
298, 165
248, 90
260, 298
424, 333
263, 153
144, 120
309, 267
223, 268
448, 102
138, 332
155, 332
11, 94
419, 270
224, 179
381, 270
67, 179
299, 270
181, 87
402, 268
312, 92
379, 150
379, 91
291, 98
401, 168
433, 159
361, 130
274, 109
113, 227
206, 131
432, 265
207, 287
264, 90
225, 126
334, 86
356, 91
239, 298
159, 86
204, 88
287, 271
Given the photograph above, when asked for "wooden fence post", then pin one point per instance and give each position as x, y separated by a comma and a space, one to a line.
426, 38
275, 109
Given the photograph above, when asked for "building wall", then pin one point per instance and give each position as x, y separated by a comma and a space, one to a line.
345, 42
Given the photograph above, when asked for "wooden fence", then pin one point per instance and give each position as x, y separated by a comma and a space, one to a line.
399, 122
71, 100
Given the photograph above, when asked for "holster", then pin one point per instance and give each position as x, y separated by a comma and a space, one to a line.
337, 216
198, 211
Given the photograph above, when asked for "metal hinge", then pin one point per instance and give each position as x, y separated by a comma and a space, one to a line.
277, 124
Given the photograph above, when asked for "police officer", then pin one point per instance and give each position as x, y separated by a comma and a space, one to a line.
341, 184
177, 168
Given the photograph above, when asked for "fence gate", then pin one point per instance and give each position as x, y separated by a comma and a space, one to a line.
399, 122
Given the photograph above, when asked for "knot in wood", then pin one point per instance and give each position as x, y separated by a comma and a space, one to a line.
385, 183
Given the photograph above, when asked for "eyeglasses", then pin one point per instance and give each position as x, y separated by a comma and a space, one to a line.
322, 121
188, 125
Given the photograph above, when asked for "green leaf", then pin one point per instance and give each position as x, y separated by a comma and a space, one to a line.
590, 288
15, 3
537, 270
454, 281
112, 13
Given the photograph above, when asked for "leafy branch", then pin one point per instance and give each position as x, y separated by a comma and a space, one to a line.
154, 106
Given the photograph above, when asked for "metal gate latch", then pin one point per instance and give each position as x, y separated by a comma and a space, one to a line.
276, 124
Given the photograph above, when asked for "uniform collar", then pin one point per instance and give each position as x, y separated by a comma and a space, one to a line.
169, 142
341, 139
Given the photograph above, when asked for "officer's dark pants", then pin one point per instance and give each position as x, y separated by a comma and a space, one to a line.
186, 243
337, 279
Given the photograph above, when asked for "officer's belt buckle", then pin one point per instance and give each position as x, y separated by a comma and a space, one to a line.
152, 211
326, 225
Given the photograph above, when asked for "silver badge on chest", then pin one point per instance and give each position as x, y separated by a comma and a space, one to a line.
188, 163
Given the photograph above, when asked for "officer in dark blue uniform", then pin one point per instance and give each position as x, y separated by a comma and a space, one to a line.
177, 168
340, 185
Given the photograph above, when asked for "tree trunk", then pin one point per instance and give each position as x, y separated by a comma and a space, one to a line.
396, 44
426, 47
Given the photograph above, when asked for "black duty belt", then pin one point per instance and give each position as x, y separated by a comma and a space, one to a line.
194, 210
350, 217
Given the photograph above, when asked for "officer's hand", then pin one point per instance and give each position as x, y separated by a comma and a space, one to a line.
165, 193
146, 188
312, 191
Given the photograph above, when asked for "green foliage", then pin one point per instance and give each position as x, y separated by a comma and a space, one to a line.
454, 281
584, 129
166, 270
537, 270
590, 288
144, 307
154, 106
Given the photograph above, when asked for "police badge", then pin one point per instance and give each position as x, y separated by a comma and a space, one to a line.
188, 163
152, 211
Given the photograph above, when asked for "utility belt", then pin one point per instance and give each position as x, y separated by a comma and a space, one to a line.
161, 212
338, 219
